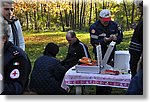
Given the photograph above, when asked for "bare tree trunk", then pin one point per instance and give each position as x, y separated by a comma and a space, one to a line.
31, 22
126, 15
35, 21
48, 24
132, 17
62, 23
108, 4
103, 4
66, 18
96, 11
37, 18
70, 16
78, 14
90, 13
42, 11
75, 15
81, 15
27, 20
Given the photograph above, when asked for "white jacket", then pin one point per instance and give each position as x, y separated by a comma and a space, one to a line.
20, 35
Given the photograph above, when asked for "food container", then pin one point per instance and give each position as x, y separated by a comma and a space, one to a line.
87, 69
121, 61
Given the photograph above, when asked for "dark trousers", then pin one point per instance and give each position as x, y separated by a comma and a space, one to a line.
136, 84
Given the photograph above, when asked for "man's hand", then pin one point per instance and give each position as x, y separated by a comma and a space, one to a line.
113, 37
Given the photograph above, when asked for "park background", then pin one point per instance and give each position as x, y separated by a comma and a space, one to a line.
45, 21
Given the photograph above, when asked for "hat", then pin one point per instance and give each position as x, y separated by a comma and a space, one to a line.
105, 15
51, 49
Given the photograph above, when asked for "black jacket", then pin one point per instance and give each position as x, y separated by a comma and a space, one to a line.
75, 52
47, 76
136, 47
98, 32
17, 68
136, 44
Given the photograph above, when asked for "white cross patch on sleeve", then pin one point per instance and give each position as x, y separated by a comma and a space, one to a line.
15, 74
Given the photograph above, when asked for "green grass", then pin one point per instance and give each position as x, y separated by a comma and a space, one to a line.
36, 42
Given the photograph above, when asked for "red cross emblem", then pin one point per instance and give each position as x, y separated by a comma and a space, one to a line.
15, 74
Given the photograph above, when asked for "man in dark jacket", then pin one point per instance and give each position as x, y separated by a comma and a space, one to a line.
48, 73
16, 66
103, 32
136, 59
136, 45
76, 50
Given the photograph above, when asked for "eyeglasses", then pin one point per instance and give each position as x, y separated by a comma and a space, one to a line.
9, 9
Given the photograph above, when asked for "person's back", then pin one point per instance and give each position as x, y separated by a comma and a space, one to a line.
47, 74
17, 68
16, 65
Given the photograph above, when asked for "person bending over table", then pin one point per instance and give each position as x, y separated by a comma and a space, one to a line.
76, 50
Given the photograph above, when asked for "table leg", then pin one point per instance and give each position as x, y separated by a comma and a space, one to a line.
86, 90
78, 90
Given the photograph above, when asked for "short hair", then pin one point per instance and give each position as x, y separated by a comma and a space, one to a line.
51, 49
7, 1
72, 33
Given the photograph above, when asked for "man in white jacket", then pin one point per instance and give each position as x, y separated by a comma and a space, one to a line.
16, 36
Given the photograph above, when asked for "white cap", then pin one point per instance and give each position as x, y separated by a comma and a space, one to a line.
105, 15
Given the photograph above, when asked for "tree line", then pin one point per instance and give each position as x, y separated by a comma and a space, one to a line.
46, 15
